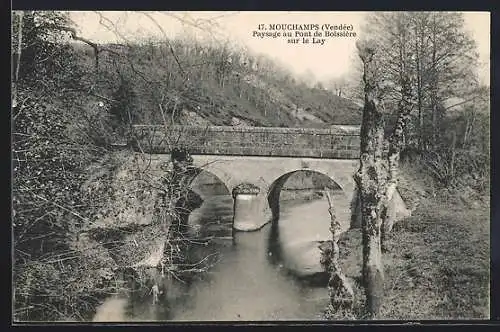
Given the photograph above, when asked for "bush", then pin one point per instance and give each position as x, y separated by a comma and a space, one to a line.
64, 287
459, 168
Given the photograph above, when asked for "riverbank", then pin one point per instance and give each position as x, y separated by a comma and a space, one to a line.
301, 194
437, 266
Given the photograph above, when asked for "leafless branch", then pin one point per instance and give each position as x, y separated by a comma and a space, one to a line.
168, 43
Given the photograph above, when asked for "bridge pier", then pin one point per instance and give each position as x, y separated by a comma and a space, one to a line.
249, 208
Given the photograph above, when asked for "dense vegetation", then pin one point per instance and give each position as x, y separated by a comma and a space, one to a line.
72, 98
415, 67
53, 279
448, 130
437, 262
69, 106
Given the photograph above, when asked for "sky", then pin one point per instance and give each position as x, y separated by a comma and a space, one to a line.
331, 60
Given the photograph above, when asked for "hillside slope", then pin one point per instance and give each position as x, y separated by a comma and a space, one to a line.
211, 84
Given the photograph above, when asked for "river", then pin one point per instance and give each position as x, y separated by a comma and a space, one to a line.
257, 276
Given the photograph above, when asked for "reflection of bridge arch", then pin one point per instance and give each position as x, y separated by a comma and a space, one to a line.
274, 191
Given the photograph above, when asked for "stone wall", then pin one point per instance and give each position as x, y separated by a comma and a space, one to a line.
337, 142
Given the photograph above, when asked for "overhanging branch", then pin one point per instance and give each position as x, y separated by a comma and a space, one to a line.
75, 36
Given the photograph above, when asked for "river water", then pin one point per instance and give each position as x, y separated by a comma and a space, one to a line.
257, 276
249, 284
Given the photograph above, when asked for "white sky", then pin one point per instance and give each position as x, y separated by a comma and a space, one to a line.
333, 59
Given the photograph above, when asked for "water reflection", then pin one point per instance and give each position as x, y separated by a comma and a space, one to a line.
260, 275
245, 285
257, 277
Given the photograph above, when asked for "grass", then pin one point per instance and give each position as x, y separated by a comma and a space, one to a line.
436, 267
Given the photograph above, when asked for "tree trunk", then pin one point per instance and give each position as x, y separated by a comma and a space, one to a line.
17, 58
396, 144
469, 127
377, 175
371, 172
419, 90
434, 85
396, 140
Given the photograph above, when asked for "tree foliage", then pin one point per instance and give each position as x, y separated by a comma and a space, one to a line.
412, 61
439, 57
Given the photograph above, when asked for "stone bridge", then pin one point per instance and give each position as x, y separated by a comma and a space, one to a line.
254, 162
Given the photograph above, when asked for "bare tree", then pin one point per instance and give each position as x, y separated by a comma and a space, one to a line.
441, 60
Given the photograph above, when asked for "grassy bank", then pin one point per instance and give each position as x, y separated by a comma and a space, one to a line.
437, 266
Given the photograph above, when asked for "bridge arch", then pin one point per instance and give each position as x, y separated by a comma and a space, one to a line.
204, 177
274, 191
251, 209
213, 216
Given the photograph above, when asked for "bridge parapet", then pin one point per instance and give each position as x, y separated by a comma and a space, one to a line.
337, 142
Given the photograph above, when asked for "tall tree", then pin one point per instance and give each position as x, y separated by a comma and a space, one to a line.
441, 61
377, 175
452, 65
